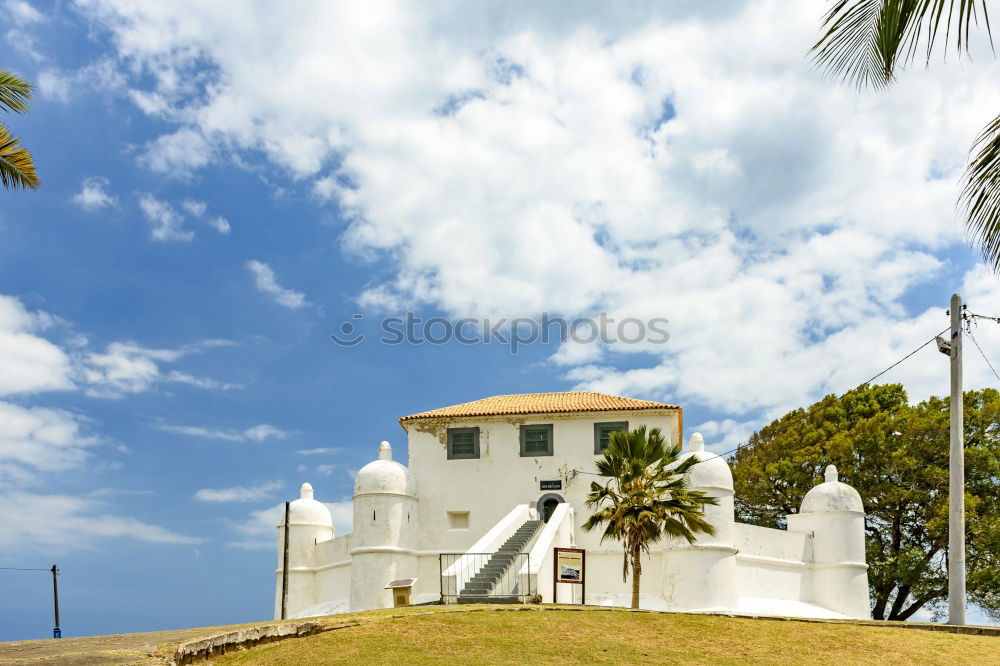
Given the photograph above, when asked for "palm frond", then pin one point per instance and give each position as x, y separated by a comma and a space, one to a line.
980, 195
17, 168
864, 41
15, 92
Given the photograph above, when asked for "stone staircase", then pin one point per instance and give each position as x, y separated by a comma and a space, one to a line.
481, 587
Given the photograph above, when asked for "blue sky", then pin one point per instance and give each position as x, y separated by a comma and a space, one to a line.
225, 185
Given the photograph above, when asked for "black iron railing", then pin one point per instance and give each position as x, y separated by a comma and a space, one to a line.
485, 578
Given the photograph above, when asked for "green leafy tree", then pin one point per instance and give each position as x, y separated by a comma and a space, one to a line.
645, 498
866, 42
896, 456
17, 167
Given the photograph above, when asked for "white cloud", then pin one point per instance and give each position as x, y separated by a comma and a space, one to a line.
262, 432
683, 162
268, 284
178, 154
200, 382
22, 13
196, 208
127, 367
165, 221
30, 363
257, 433
63, 86
201, 431
220, 224
239, 493
199, 208
318, 452
61, 523
93, 195
41, 439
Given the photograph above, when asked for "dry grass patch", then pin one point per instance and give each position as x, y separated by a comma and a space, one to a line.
550, 636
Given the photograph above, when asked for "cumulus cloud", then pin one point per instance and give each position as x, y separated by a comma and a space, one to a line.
41, 439
30, 362
127, 367
239, 493
199, 208
220, 224
675, 161
165, 222
93, 195
268, 284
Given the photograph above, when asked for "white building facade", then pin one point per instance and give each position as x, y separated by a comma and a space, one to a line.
495, 485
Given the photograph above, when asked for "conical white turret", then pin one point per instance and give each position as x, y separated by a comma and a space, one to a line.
309, 524
835, 516
385, 530
702, 575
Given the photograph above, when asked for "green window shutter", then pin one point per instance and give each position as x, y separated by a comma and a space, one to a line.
536, 440
463, 443
602, 434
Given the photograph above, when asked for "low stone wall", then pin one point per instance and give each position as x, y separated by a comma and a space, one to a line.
201, 649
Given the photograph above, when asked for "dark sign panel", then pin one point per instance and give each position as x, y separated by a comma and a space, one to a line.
552, 485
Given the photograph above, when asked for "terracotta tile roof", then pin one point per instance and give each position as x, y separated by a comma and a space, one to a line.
540, 403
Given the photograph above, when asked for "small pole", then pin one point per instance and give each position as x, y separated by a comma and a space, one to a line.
284, 568
56, 631
956, 476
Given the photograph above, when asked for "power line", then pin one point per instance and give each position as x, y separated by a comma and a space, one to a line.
983, 354
843, 395
837, 398
22, 569
979, 316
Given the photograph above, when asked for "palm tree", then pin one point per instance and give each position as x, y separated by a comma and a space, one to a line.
866, 41
17, 168
646, 497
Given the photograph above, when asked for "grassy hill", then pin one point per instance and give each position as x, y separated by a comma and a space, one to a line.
540, 635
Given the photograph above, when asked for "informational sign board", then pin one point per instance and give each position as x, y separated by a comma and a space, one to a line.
551, 485
570, 567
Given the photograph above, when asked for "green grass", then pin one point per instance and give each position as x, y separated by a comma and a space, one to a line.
559, 636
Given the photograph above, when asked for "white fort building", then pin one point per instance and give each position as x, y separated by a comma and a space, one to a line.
495, 485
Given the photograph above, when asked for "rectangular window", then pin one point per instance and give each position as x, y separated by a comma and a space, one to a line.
463, 443
536, 440
602, 434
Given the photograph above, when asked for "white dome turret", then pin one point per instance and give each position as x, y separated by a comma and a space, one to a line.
307, 511
385, 476
712, 471
832, 496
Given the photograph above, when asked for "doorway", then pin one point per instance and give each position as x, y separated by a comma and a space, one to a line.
547, 505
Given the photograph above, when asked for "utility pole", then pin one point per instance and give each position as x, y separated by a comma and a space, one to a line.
56, 631
956, 476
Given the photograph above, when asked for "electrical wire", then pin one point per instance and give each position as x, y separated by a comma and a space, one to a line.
836, 399
24, 569
983, 354
841, 396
